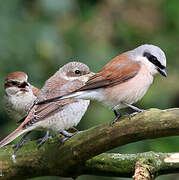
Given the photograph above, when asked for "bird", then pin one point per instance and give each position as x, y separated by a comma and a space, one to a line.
19, 94
56, 116
123, 81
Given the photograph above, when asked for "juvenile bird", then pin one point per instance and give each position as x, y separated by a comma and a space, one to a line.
124, 80
56, 116
19, 94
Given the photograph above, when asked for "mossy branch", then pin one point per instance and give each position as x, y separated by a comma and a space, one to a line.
128, 165
71, 158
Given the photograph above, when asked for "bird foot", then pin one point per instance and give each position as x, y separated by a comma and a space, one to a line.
117, 116
135, 113
67, 135
20, 143
44, 139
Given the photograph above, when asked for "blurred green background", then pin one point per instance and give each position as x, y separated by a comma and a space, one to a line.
39, 36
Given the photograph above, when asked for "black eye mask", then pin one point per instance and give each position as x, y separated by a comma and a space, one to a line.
153, 60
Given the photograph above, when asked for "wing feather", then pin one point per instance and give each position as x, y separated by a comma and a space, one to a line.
118, 70
40, 112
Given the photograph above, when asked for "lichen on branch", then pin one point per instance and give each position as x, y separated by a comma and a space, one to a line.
72, 158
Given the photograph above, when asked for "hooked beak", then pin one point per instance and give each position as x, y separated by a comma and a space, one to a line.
24, 87
162, 72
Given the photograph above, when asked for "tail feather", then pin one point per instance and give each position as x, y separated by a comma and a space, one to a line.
12, 136
71, 95
58, 98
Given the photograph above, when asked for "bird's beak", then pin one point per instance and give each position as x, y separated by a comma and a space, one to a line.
24, 87
162, 72
88, 75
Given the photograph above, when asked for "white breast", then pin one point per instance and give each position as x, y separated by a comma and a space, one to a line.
64, 119
18, 106
131, 91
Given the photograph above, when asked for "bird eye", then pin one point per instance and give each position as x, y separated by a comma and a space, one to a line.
77, 72
14, 83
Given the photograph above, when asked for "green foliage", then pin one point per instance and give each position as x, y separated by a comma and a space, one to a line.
40, 36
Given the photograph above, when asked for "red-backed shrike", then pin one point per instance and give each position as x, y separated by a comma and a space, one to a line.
19, 94
56, 116
124, 80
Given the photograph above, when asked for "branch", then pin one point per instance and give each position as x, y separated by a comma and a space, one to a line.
144, 170
69, 159
124, 165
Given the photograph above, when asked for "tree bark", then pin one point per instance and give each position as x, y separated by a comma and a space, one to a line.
72, 158
125, 165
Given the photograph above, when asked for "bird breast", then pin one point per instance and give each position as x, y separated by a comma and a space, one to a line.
65, 118
18, 106
130, 91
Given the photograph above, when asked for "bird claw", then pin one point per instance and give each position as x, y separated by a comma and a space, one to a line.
67, 135
135, 113
63, 140
44, 139
20, 144
118, 115
115, 120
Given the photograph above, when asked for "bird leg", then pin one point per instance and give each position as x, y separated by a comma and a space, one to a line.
117, 116
21, 142
43, 140
67, 135
136, 109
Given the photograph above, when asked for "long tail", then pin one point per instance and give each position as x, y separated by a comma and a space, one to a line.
12, 136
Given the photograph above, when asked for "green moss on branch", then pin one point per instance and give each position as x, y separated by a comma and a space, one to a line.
69, 159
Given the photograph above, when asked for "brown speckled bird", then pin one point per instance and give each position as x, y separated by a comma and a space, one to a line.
19, 94
56, 116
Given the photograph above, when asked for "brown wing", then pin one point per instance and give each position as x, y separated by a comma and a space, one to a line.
118, 70
45, 110
39, 112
